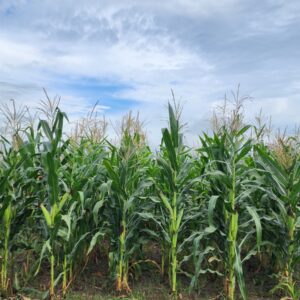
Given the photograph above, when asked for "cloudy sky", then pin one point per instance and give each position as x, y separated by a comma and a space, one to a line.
128, 55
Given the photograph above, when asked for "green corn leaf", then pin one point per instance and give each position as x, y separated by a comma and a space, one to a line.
67, 219
167, 171
52, 178
295, 193
81, 198
7, 215
274, 168
243, 130
63, 200
211, 208
63, 233
170, 148
174, 126
46, 129
239, 274
46, 246
54, 213
252, 211
47, 216
80, 240
179, 218
245, 150
167, 204
94, 241
96, 209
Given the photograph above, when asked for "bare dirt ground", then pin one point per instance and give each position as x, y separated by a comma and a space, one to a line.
94, 283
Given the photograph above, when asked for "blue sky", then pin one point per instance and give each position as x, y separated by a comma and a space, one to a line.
128, 55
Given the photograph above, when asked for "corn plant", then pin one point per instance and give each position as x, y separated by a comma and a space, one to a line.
20, 187
282, 178
11, 206
171, 163
209, 210
172, 177
10, 181
82, 219
77, 241
232, 182
51, 161
126, 187
8, 166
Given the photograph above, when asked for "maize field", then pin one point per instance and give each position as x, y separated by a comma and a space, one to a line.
224, 213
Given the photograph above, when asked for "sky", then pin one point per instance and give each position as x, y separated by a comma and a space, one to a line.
129, 55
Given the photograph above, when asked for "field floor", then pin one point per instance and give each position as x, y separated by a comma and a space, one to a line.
154, 289
150, 286
94, 283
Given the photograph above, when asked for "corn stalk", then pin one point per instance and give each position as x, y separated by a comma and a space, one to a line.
11, 163
125, 189
282, 182
52, 210
232, 182
172, 185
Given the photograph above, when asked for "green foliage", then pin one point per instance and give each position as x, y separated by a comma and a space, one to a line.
232, 179
65, 203
126, 193
282, 184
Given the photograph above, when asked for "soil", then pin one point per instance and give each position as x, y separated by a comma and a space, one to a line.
94, 282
